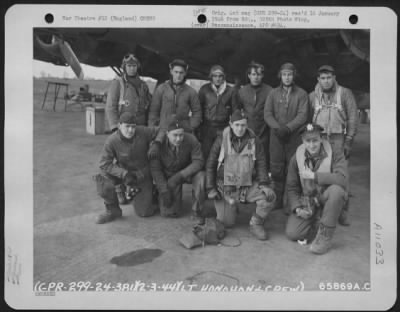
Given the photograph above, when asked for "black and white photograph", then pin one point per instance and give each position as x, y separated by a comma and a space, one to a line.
229, 156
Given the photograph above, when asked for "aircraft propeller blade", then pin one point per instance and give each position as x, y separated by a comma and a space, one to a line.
71, 58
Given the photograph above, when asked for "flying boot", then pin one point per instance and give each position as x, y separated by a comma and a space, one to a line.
197, 217
323, 241
112, 212
120, 190
257, 227
344, 218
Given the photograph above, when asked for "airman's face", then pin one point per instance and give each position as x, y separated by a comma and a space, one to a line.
256, 76
131, 69
312, 142
239, 127
326, 81
217, 79
175, 137
178, 74
287, 77
127, 130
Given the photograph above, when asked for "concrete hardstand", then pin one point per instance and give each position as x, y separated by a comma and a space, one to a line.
145, 252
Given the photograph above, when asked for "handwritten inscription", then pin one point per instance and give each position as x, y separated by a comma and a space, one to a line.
379, 254
49, 289
13, 267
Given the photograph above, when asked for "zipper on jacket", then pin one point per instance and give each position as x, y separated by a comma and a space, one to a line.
287, 101
175, 108
216, 107
255, 100
329, 119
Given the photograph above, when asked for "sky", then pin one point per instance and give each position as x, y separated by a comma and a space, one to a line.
43, 69
40, 68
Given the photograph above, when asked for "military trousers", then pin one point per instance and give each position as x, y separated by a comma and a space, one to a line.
227, 209
265, 138
208, 134
332, 200
280, 154
198, 196
142, 202
337, 142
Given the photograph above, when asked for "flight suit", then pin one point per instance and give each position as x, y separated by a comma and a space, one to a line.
237, 168
216, 106
288, 109
120, 156
170, 100
330, 184
336, 112
252, 101
127, 95
187, 161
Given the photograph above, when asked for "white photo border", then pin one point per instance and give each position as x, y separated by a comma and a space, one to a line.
19, 23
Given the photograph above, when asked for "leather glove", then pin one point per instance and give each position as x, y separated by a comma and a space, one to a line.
139, 175
129, 178
214, 194
111, 131
175, 180
303, 213
197, 134
347, 147
166, 198
283, 132
316, 200
269, 193
154, 150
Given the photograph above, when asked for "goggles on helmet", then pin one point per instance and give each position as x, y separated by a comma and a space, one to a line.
130, 57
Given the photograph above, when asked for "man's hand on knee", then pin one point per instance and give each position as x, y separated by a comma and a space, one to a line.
269, 193
347, 147
154, 150
139, 176
129, 178
175, 180
303, 213
214, 194
133, 177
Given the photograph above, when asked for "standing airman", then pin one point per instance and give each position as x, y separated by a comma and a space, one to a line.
285, 112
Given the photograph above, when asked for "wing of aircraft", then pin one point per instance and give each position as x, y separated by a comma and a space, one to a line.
346, 50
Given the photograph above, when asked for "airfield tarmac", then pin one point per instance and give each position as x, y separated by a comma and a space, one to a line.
69, 246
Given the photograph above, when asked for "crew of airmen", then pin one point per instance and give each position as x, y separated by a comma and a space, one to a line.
279, 148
